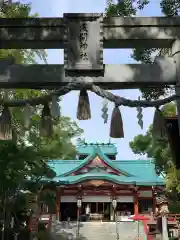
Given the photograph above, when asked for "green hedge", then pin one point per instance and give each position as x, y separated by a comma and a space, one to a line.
174, 207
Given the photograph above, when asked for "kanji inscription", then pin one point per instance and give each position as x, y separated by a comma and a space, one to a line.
83, 50
83, 41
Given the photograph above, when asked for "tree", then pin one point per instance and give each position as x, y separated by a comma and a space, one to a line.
64, 129
168, 8
27, 154
17, 10
158, 150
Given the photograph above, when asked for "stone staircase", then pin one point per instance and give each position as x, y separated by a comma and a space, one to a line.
97, 231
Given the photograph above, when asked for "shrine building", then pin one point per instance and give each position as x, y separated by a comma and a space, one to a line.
96, 178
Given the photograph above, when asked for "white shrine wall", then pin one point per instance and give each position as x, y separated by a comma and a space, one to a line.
97, 199
145, 194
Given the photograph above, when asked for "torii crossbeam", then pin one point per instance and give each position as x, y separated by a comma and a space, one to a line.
83, 38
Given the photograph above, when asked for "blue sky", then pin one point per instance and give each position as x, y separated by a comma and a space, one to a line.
95, 130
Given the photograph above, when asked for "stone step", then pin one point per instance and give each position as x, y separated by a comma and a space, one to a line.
100, 231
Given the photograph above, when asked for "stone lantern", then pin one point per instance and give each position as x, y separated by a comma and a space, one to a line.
162, 204
162, 211
114, 204
79, 203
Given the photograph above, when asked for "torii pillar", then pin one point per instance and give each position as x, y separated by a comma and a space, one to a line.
176, 57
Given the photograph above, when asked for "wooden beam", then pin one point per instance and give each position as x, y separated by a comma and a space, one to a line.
162, 72
119, 32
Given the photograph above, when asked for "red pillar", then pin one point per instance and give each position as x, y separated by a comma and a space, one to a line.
58, 200
153, 201
136, 203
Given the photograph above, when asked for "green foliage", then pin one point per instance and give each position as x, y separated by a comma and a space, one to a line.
122, 8
174, 207
43, 235
49, 197
169, 110
28, 154
159, 151
17, 10
21, 202
125, 8
141, 144
59, 145
170, 7
173, 179
130, 8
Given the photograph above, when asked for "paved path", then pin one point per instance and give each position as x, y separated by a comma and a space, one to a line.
98, 231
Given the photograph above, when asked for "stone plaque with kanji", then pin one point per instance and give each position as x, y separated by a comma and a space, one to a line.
83, 50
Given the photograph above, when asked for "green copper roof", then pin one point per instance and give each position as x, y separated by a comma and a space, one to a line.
109, 177
141, 172
97, 151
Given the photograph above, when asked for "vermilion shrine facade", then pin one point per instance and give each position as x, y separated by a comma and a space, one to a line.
96, 178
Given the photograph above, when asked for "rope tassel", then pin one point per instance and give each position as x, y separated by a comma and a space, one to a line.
159, 127
46, 122
83, 111
5, 124
116, 127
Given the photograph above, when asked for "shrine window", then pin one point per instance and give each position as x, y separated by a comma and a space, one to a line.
112, 157
145, 205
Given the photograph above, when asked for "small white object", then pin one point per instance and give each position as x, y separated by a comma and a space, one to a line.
79, 202
87, 209
12, 222
114, 203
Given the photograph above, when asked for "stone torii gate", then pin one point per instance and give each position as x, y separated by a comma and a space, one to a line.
83, 38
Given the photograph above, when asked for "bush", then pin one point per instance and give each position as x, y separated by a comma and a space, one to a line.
24, 234
43, 235
174, 207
